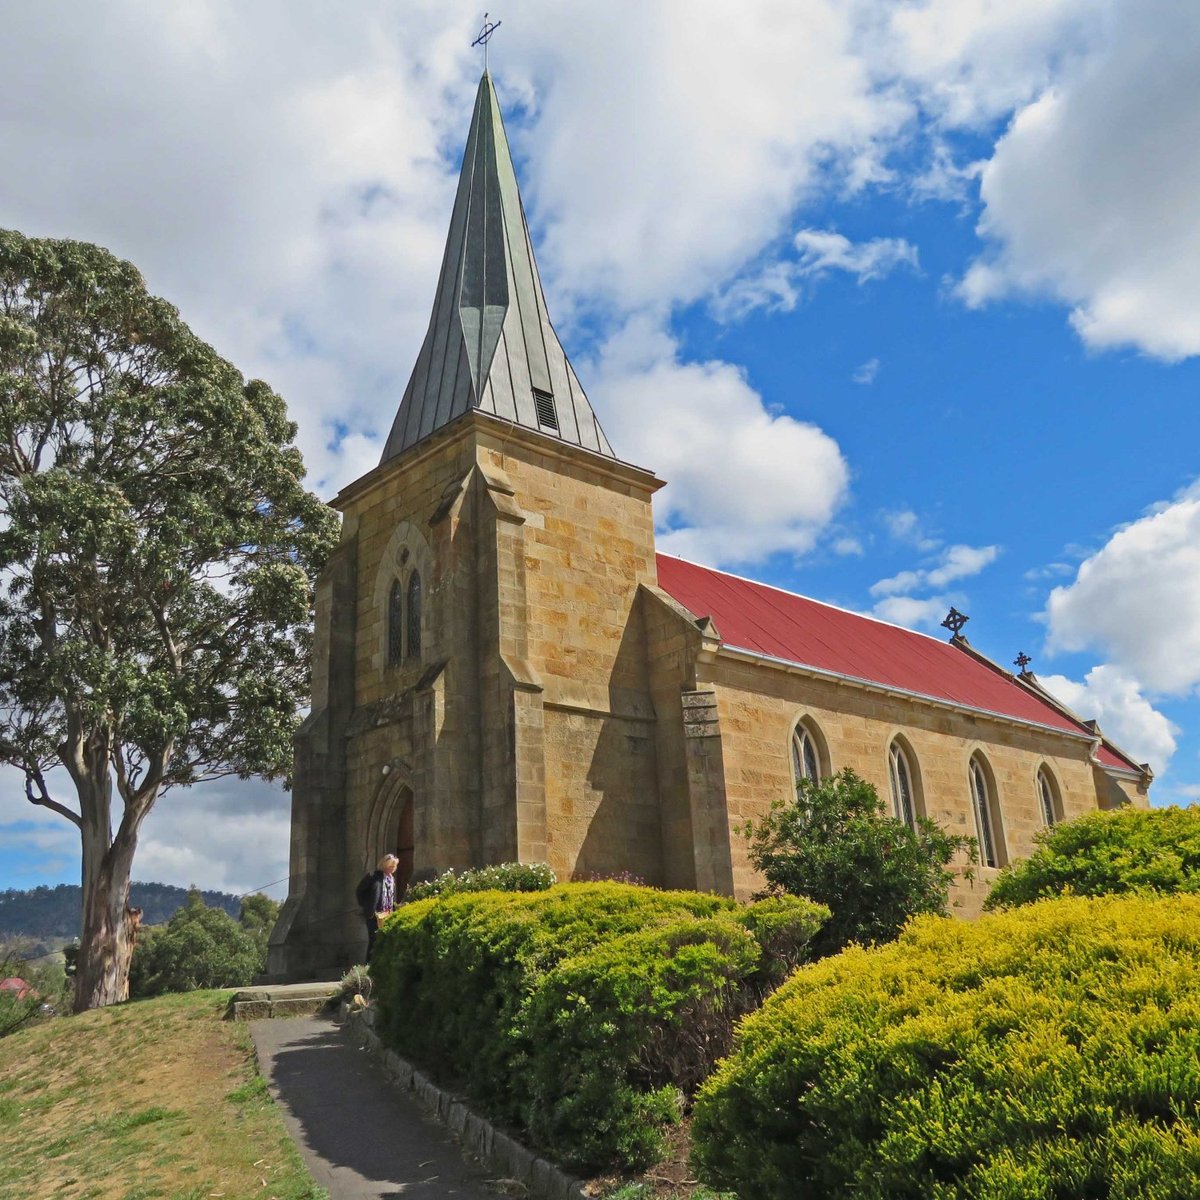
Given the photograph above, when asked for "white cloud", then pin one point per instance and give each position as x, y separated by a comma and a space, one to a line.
1090, 195
905, 526
741, 483
773, 288
1054, 570
1113, 699
1137, 599
668, 158
954, 562
971, 62
776, 286
867, 372
824, 250
228, 835
912, 613
847, 547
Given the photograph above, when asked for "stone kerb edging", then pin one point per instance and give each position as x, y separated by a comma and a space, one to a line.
499, 1152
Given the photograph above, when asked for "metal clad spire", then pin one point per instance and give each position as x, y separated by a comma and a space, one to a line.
490, 343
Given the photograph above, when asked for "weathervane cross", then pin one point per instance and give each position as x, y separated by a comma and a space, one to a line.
485, 36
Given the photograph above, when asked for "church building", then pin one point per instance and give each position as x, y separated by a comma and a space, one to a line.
506, 670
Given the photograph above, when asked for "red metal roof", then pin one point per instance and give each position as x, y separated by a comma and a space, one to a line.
768, 621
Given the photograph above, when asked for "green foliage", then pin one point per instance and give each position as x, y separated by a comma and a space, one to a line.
158, 549
503, 877
200, 947
1050, 1052
1107, 853
583, 1012
837, 845
257, 917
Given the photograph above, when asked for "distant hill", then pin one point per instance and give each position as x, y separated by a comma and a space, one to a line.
53, 912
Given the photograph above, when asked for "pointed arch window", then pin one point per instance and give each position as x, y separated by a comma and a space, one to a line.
987, 823
414, 615
395, 624
1048, 799
806, 754
904, 802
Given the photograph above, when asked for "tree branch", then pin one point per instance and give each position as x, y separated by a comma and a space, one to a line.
44, 800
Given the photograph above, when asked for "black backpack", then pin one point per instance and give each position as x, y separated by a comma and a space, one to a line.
364, 894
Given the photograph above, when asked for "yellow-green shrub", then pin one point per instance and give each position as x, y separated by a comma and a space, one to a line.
1051, 1052
579, 1013
1106, 853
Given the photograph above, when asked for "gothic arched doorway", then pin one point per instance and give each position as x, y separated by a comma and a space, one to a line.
390, 827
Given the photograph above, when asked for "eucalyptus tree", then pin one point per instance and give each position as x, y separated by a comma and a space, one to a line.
157, 552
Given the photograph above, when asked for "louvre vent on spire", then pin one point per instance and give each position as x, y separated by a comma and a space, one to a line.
490, 345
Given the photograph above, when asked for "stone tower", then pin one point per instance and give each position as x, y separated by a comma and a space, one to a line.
480, 681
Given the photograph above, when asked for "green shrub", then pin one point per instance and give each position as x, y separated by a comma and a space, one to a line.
837, 844
503, 877
257, 916
1050, 1052
580, 1013
199, 947
1106, 853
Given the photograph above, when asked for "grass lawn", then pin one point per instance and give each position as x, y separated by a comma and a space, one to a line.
158, 1098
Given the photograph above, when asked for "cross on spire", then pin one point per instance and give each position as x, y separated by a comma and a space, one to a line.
485, 36
1022, 661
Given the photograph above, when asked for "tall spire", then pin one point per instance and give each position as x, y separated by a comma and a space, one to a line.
490, 344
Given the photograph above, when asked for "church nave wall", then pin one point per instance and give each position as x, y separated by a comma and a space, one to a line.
760, 705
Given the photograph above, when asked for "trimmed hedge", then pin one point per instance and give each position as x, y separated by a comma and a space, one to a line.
1106, 853
583, 1013
1050, 1052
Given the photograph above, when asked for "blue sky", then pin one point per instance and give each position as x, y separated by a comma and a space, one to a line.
902, 299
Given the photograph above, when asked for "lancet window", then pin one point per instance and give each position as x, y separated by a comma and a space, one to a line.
987, 823
806, 754
900, 772
1048, 798
404, 620
414, 616
395, 624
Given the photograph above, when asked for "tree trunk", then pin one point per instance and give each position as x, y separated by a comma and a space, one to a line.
106, 941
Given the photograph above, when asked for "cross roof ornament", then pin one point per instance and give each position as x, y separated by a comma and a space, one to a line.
955, 621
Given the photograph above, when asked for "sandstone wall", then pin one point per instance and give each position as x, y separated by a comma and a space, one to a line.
759, 707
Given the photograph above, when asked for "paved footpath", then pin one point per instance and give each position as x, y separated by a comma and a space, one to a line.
361, 1137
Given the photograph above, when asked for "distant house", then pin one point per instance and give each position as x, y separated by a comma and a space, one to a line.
18, 986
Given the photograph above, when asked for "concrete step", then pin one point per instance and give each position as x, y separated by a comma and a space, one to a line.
281, 1000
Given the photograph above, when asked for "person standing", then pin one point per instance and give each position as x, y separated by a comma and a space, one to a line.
382, 900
